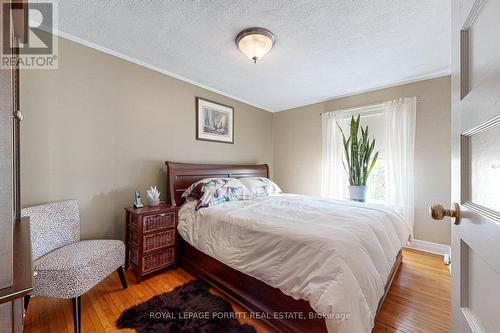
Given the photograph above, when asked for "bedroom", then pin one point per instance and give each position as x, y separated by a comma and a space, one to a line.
139, 91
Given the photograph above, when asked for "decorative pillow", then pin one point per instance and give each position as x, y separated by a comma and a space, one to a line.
212, 191
260, 186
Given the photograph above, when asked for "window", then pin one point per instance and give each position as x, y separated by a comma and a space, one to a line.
375, 120
392, 123
376, 181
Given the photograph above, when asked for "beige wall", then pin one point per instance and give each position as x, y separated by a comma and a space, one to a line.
99, 128
297, 148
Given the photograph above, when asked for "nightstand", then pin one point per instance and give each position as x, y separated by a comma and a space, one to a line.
151, 239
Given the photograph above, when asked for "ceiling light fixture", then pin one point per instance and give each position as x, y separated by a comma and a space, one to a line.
255, 42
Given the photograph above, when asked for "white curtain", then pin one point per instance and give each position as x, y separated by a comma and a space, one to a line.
400, 122
333, 177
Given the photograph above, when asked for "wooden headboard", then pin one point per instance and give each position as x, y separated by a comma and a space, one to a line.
182, 175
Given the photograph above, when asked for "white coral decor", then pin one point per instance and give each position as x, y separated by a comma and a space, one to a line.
153, 196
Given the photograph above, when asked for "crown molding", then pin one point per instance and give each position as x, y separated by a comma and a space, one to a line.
384, 86
136, 61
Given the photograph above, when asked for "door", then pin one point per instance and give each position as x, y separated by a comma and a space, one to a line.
7, 159
12, 284
12, 23
475, 244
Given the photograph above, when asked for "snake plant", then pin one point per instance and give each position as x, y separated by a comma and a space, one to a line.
359, 153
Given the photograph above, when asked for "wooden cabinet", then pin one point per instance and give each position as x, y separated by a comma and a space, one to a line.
151, 239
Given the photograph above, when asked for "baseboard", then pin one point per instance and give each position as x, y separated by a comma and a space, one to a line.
435, 248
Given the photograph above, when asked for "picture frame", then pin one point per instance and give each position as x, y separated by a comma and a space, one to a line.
214, 121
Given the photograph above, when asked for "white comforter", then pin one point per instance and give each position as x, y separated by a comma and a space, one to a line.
335, 254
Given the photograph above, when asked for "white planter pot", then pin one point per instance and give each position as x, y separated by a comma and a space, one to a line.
357, 193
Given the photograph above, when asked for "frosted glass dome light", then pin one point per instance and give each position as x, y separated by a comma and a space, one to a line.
255, 42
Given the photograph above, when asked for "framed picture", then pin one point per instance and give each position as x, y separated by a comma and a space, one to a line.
214, 121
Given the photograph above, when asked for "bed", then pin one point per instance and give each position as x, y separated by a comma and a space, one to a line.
224, 271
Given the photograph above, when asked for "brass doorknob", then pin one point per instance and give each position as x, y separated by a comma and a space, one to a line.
438, 212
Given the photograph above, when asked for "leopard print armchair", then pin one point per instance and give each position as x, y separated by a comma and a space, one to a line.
64, 266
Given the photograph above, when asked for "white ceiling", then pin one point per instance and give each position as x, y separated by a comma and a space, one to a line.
324, 48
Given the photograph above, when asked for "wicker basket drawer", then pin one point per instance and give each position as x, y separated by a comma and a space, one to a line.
156, 260
158, 240
159, 221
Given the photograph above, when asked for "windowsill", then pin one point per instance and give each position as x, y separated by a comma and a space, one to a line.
376, 202
370, 201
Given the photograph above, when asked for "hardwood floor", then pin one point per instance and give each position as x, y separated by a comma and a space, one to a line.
419, 297
418, 301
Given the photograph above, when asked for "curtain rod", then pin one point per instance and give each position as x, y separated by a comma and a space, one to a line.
366, 105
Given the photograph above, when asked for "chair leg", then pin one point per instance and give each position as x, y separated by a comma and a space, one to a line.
26, 302
121, 274
77, 317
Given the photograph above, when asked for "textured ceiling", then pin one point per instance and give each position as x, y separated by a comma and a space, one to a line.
324, 49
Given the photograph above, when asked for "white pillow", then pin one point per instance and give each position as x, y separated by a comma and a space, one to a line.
260, 186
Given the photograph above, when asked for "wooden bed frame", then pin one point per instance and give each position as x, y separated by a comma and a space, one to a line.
252, 294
